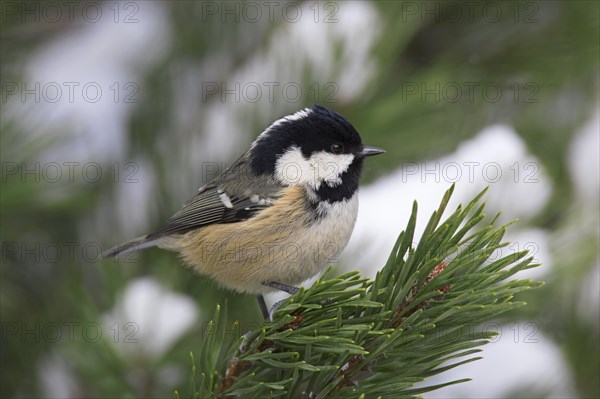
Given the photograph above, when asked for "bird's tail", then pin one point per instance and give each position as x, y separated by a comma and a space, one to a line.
130, 246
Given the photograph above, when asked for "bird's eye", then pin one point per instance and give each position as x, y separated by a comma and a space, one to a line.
337, 148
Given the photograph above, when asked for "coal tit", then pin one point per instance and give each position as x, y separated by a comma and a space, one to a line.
283, 211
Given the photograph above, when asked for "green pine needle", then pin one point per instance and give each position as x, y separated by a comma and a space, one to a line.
348, 336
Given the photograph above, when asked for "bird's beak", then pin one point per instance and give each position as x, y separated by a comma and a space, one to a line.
368, 151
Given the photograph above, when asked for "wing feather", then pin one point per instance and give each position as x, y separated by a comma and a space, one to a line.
227, 199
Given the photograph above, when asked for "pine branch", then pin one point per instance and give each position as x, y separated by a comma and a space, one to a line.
349, 336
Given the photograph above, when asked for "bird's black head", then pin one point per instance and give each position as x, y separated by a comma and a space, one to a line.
316, 147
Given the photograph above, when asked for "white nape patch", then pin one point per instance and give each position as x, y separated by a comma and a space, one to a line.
225, 199
303, 113
292, 168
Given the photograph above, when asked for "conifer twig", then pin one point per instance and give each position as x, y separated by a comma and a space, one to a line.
349, 336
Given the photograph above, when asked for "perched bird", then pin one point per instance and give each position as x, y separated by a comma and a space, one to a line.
283, 211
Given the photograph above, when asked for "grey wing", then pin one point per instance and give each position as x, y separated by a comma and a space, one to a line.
223, 201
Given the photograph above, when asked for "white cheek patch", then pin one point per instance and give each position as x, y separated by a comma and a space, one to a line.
322, 167
330, 166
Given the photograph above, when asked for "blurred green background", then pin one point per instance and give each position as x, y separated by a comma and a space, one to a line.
113, 113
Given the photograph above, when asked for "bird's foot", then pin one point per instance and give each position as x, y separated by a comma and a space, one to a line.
275, 306
290, 289
263, 306
268, 314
